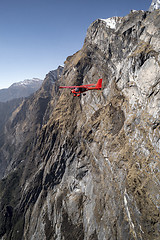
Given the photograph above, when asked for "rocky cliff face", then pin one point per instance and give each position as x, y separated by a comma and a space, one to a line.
88, 167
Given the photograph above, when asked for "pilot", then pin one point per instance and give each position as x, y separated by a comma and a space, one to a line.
76, 89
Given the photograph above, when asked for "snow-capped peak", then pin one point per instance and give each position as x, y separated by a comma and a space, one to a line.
154, 5
27, 82
111, 22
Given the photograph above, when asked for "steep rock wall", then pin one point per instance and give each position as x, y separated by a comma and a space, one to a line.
90, 166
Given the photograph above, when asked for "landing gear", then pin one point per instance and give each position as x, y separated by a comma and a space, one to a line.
77, 95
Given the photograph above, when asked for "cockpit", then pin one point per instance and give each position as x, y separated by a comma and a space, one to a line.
76, 89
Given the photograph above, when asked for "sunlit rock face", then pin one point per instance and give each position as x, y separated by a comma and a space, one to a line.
88, 167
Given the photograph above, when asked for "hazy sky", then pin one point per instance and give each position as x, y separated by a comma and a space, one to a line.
36, 36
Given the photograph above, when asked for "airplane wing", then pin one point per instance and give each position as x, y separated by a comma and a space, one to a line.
67, 87
81, 86
88, 85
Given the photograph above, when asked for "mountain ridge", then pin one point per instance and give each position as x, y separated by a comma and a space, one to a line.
20, 89
26, 82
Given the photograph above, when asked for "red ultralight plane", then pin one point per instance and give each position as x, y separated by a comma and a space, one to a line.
77, 90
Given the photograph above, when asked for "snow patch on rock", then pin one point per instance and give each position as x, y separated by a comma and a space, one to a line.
111, 22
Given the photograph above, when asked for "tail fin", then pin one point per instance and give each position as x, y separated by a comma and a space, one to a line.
99, 83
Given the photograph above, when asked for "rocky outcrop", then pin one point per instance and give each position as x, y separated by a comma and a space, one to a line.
26, 120
6, 110
88, 167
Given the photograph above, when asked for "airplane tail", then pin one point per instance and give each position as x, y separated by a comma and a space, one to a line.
99, 83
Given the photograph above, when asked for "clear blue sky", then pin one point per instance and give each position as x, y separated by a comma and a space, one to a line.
36, 36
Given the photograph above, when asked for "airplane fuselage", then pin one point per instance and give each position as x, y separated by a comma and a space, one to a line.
78, 90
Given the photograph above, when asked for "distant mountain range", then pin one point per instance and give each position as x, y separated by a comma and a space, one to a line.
20, 89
